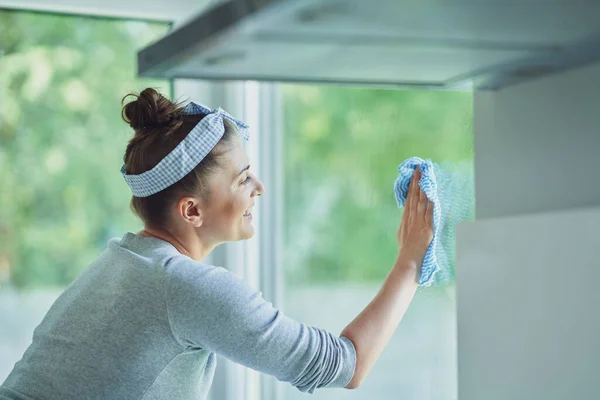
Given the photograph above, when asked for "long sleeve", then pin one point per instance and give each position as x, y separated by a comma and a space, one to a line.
211, 308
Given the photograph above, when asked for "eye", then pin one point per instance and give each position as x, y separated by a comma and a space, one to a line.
245, 181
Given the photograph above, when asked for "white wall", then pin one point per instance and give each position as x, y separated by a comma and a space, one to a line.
537, 145
527, 268
528, 324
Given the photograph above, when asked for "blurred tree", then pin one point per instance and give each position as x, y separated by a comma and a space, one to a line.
62, 140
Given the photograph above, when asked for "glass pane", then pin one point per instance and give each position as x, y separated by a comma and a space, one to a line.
342, 149
61, 146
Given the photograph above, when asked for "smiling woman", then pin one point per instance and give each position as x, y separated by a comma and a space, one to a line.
174, 313
147, 318
170, 134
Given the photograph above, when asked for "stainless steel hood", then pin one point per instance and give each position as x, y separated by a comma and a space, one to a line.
486, 44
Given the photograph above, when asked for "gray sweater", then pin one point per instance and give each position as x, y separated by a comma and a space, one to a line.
146, 322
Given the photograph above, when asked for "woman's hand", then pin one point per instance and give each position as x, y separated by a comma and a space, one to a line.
372, 329
416, 229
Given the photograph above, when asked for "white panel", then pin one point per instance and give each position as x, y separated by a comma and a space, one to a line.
506, 22
537, 145
348, 62
528, 327
416, 43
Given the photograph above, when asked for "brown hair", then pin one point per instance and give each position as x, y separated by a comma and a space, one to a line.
160, 126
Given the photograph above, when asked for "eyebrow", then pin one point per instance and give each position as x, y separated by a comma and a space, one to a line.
246, 168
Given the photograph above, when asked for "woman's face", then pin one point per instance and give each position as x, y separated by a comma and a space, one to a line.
227, 215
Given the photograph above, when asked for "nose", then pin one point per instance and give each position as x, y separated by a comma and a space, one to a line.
259, 189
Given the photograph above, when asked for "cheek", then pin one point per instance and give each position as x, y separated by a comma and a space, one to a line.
234, 205
226, 208
231, 209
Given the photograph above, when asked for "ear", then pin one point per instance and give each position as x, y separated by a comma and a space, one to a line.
189, 208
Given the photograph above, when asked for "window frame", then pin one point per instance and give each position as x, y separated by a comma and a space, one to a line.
258, 260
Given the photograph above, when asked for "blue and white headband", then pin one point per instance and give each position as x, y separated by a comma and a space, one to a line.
188, 154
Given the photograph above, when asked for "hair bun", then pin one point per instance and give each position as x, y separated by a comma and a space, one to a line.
151, 110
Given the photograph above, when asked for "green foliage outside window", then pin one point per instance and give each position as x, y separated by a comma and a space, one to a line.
62, 140
342, 149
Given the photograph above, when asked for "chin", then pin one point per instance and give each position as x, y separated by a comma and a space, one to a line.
245, 234
248, 235
246, 231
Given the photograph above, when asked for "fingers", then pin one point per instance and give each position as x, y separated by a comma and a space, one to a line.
429, 213
422, 205
413, 191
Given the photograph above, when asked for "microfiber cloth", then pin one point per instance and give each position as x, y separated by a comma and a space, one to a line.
429, 185
450, 186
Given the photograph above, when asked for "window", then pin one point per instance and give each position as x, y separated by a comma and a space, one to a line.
341, 150
61, 146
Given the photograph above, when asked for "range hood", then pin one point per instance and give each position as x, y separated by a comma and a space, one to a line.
484, 44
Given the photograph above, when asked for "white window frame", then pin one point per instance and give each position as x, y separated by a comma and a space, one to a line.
265, 102
258, 260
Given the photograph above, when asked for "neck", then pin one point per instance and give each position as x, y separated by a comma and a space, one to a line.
189, 246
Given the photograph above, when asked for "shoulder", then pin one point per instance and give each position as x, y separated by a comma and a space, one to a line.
181, 267
183, 273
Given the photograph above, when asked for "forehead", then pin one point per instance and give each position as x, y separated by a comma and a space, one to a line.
235, 159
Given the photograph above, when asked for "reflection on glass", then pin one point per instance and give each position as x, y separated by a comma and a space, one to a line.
61, 147
342, 148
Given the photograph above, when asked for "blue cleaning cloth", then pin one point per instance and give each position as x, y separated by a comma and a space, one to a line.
429, 185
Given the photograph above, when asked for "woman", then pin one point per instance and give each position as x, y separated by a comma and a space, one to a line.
147, 318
